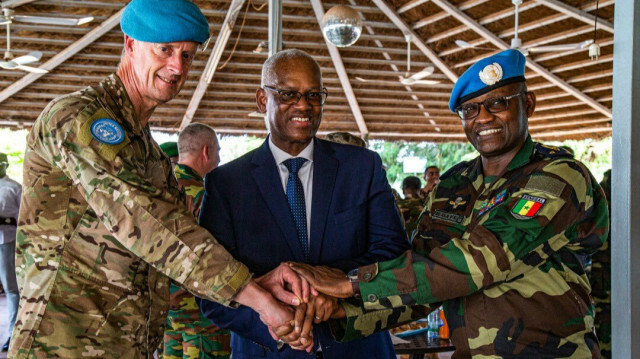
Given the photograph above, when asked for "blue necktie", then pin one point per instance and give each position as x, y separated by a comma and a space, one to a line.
295, 197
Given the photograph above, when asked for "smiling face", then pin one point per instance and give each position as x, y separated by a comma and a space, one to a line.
502, 133
292, 127
160, 70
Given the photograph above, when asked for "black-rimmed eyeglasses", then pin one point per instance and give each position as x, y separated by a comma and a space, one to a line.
291, 97
471, 110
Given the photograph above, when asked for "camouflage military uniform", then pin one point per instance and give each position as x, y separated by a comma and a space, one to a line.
504, 255
410, 210
601, 283
189, 334
101, 231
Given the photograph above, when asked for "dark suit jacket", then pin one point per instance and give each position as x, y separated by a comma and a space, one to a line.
354, 222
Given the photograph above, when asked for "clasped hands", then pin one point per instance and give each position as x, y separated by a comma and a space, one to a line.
306, 295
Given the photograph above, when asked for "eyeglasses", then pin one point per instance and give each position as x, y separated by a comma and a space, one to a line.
471, 110
291, 97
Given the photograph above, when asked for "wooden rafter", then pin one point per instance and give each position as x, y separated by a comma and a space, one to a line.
482, 31
318, 9
415, 39
214, 59
64, 55
15, 3
577, 14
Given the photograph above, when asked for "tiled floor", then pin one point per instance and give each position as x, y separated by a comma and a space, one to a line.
4, 322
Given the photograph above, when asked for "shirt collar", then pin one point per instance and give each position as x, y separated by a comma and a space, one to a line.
281, 156
116, 98
185, 172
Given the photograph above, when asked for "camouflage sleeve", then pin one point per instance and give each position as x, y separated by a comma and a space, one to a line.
499, 245
360, 323
145, 219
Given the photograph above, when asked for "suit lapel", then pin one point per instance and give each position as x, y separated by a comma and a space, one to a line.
267, 178
325, 168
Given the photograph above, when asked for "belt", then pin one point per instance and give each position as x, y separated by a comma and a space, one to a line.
8, 221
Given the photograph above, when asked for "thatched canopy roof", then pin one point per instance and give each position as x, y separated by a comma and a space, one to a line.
574, 93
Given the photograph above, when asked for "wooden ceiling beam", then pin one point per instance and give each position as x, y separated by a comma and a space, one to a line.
212, 62
15, 3
416, 39
410, 5
73, 49
465, 19
443, 14
577, 14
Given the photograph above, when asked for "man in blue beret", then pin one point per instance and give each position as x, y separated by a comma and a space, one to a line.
102, 228
502, 243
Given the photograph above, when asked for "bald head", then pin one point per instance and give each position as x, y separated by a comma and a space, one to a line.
198, 148
282, 62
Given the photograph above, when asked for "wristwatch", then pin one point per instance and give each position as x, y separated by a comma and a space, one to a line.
352, 275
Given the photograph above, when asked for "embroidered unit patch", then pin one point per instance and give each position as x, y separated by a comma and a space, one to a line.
527, 206
107, 131
486, 206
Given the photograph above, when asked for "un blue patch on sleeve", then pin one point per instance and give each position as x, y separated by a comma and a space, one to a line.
107, 131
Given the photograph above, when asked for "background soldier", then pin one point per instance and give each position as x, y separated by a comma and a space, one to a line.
102, 228
412, 205
189, 334
502, 242
10, 192
171, 150
432, 177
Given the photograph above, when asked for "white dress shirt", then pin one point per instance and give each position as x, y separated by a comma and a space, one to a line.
305, 174
10, 192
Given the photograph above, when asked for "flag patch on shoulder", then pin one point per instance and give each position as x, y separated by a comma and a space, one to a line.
528, 206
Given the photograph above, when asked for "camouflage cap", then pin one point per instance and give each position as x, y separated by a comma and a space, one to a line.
346, 138
170, 148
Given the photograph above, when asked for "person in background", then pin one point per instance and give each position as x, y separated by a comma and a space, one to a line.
432, 177
600, 279
188, 333
171, 150
10, 192
300, 198
102, 228
412, 205
502, 243
346, 138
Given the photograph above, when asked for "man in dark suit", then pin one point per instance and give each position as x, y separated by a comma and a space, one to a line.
299, 198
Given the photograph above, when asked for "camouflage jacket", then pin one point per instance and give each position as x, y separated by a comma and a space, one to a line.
410, 210
600, 277
184, 313
506, 257
100, 231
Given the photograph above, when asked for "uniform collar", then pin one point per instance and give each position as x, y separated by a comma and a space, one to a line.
116, 98
183, 171
520, 159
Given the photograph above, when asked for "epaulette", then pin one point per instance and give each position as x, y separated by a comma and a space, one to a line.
456, 169
552, 151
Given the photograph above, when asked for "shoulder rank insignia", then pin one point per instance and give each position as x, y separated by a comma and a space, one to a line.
107, 131
527, 206
486, 206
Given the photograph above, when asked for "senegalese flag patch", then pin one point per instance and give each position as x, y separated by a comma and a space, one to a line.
528, 206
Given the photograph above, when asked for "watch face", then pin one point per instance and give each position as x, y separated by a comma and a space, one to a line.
353, 275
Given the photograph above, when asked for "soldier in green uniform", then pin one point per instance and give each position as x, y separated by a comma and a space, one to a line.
188, 333
601, 282
171, 150
412, 205
502, 243
102, 227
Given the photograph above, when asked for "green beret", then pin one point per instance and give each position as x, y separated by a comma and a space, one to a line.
163, 21
3, 158
170, 148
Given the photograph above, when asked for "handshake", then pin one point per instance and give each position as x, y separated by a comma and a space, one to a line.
293, 297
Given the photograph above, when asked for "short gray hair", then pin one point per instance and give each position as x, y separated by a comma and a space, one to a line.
193, 137
271, 66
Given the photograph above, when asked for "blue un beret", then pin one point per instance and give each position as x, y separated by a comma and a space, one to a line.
163, 21
488, 74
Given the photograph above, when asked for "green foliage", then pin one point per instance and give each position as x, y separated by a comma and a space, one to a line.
13, 144
442, 155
